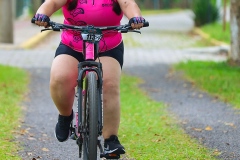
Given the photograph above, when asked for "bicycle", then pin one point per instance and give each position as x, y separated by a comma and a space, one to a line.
87, 129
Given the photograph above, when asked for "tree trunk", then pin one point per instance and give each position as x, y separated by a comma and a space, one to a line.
235, 33
6, 21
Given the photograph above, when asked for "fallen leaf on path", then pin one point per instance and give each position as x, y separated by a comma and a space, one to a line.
31, 135
45, 149
44, 135
216, 152
197, 129
23, 132
31, 138
208, 128
29, 153
230, 124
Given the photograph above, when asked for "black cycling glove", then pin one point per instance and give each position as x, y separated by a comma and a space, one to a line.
136, 20
42, 17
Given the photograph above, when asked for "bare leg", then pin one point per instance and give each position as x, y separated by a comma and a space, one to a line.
62, 86
62, 83
111, 96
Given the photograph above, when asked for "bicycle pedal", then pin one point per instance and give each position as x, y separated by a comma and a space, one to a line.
111, 156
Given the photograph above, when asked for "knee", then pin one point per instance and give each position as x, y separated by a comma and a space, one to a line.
111, 87
111, 93
61, 80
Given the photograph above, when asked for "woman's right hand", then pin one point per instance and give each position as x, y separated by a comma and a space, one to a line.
41, 20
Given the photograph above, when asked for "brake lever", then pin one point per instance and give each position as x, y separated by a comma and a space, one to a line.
123, 30
46, 29
54, 28
134, 31
128, 28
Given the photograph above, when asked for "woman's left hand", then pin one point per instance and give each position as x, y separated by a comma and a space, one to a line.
136, 22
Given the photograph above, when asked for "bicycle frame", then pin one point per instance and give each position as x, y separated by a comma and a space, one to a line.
90, 52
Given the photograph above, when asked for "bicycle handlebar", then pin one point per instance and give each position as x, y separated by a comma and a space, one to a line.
58, 26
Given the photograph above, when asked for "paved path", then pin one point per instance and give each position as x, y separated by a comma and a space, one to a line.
158, 51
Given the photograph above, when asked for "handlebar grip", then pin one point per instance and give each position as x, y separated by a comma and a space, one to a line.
33, 20
145, 24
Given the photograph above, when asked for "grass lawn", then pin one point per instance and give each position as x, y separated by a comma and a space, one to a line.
219, 79
149, 132
215, 31
13, 85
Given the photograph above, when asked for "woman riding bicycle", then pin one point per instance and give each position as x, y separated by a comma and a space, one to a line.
64, 69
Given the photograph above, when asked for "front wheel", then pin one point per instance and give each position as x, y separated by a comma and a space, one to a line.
90, 138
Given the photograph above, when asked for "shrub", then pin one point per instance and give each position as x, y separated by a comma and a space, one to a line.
205, 12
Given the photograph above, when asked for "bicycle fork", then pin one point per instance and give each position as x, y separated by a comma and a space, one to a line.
78, 130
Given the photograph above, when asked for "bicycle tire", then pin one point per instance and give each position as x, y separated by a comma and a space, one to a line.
90, 138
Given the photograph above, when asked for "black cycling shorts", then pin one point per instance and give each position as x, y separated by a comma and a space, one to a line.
116, 53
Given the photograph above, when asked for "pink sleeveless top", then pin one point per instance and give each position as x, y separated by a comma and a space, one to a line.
91, 12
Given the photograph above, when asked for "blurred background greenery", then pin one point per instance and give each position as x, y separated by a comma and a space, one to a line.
206, 11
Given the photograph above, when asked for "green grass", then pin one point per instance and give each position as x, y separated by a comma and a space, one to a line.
13, 84
219, 79
58, 13
215, 31
202, 43
149, 132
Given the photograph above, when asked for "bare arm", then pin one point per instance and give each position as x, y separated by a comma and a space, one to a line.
51, 6
130, 8
48, 8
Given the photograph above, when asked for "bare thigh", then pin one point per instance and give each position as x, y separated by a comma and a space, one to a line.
63, 80
111, 95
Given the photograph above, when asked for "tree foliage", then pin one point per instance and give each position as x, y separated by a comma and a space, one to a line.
205, 12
